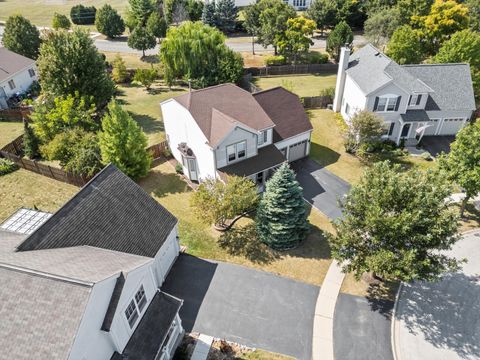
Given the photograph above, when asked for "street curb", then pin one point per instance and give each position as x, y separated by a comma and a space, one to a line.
393, 342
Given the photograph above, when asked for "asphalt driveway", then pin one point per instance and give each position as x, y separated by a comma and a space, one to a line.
361, 328
321, 188
251, 307
437, 144
441, 320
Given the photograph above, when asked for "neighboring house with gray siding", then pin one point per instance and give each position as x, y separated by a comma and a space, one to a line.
224, 130
84, 283
414, 100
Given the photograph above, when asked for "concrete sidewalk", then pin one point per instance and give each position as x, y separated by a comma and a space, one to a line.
322, 344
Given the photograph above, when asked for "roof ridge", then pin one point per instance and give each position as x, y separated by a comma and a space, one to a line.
436, 64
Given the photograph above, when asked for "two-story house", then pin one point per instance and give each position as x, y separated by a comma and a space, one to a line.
17, 73
414, 100
225, 130
84, 283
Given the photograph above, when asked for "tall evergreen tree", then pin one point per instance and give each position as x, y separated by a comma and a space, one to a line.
226, 14
123, 143
282, 215
209, 14
139, 11
21, 36
109, 22
341, 35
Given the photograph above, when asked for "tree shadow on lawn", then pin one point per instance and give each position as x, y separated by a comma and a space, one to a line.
243, 241
162, 184
323, 155
445, 312
148, 123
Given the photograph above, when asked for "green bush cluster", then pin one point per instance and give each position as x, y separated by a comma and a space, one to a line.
83, 15
275, 60
7, 166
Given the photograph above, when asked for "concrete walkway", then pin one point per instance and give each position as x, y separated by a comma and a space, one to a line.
202, 348
322, 344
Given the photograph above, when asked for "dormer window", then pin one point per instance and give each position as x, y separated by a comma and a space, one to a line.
415, 99
263, 137
387, 103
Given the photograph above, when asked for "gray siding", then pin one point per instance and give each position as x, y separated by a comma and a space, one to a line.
237, 135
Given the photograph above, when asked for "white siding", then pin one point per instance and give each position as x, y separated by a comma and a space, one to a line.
354, 97
237, 135
293, 140
181, 127
390, 89
22, 81
164, 263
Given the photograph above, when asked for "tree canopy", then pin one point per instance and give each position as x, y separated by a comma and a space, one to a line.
83, 15
156, 25
141, 39
21, 36
324, 13
380, 25
404, 46
109, 22
69, 64
60, 21
341, 35
297, 38
198, 52
282, 214
396, 224
123, 143
463, 161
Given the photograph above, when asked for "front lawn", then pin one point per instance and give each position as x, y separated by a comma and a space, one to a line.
9, 131
308, 263
133, 61
327, 149
302, 85
144, 106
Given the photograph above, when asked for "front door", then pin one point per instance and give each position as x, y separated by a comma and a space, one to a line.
192, 168
405, 130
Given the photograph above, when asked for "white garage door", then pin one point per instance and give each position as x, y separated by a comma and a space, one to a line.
297, 151
168, 254
451, 126
432, 127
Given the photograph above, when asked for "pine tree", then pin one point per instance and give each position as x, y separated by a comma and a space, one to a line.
123, 143
282, 216
21, 36
30, 142
209, 14
226, 14
109, 22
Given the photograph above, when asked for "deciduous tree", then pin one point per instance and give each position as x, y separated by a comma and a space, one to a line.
282, 214
463, 162
119, 70
252, 22
396, 225
109, 22
217, 201
324, 13
141, 39
404, 46
21, 36
380, 25
297, 38
341, 35
364, 126
156, 25
146, 77
123, 143
69, 64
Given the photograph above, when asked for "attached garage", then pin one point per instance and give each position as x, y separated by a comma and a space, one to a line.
297, 151
451, 126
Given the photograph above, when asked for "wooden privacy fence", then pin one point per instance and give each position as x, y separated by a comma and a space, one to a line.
311, 102
14, 152
15, 115
292, 69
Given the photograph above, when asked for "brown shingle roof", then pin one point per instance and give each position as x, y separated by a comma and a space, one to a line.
11, 63
218, 109
285, 110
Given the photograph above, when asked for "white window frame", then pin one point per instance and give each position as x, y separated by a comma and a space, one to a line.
136, 307
389, 101
413, 100
237, 153
262, 137
31, 72
11, 84
131, 313
141, 298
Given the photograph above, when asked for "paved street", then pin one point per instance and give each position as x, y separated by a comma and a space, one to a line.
361, 329
441, 320
253, 308
321, 188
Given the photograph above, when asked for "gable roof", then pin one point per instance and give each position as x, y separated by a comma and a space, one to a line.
452, 85
218, 109
39, 315
285, 110
110, 212
11, 63
369, 60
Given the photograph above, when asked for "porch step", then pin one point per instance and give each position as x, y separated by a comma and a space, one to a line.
183, 249
202, 348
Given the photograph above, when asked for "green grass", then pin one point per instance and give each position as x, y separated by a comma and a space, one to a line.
308, 263
133, 61
264, 355
9, 131
327, 149
40, 12
144, 106
302, 85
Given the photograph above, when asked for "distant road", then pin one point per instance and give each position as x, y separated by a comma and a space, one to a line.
121, 46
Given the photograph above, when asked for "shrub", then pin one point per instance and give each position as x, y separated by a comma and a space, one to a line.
314, 57
109, 22
31, 142
7, 166
329, 92
60, 21
119, 70
398, 152
275, 60
146, 77
83, 15
426, 156
167, 152
179, 169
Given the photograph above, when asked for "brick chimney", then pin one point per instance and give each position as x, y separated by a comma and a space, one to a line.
341, 75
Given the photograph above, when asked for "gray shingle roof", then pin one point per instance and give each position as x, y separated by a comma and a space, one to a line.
11, 63
451, 83
371, 69
110, 212
39, 316
415, 115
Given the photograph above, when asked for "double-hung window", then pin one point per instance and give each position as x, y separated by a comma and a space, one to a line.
263, 137
11, 84
387, 104
136, 306
237, 151
31, 72
382, 103
392, 103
